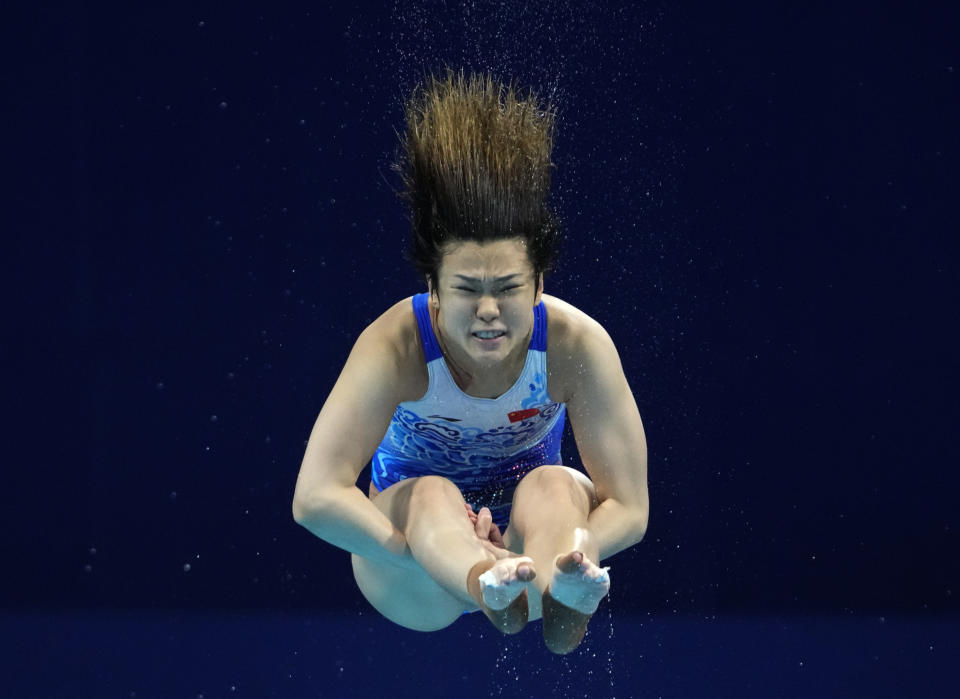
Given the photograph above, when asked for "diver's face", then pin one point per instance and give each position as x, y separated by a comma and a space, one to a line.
485, 297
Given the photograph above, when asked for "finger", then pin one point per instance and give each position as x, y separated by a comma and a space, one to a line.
484, 520
495, 536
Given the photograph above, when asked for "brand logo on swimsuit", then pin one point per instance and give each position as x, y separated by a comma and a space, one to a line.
518, 415
448, 419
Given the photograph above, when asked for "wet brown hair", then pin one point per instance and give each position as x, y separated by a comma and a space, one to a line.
475, 165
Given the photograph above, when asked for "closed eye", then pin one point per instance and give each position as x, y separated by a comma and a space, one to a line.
473, 291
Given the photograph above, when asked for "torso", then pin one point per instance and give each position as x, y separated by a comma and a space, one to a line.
564, 323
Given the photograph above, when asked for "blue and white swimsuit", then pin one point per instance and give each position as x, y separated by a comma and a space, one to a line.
484, 445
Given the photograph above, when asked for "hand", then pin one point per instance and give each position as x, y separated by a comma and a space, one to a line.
487, 531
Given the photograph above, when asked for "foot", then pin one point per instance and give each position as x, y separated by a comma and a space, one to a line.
505, 580
578, 583
499, 587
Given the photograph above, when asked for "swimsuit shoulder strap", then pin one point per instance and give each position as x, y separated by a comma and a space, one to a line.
429, 341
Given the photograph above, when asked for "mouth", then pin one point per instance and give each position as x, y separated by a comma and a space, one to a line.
489, 337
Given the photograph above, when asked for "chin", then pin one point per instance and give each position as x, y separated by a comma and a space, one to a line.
490, 357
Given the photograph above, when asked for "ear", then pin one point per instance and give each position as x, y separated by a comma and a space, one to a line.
539, 294
434, 299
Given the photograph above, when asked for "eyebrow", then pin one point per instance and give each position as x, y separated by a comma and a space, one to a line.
474, 280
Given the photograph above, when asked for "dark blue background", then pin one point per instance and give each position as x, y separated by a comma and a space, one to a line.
759, 208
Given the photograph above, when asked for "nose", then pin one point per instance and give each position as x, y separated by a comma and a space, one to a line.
487, 308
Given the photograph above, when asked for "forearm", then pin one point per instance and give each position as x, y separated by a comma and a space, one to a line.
346, 518
616, 527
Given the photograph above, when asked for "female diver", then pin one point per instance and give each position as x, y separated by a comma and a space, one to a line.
457, 397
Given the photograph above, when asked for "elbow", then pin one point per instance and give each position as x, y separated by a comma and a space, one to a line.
307, 509
641, 527
300, 511
318, 502
640, 519
642, 515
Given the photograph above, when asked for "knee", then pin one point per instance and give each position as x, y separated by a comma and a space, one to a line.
428, 497
552, 482
432, 488
403, 502
552, 477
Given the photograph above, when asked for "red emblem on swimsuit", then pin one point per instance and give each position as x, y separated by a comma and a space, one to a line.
518, 415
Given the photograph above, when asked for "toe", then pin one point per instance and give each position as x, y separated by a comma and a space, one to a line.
570, 563
525, 572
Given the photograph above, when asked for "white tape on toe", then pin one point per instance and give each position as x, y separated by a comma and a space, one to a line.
497, 594
577, 594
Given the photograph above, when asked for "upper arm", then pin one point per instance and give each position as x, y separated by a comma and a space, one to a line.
606, 422
353, 419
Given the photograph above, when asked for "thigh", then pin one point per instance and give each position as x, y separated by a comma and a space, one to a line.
408, 597
529, 496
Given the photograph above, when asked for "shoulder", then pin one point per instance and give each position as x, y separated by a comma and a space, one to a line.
575, 343
395, 336
396, 327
